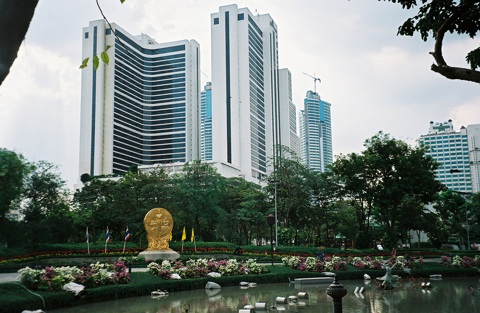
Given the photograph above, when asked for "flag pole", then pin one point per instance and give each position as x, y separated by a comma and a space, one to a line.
107, 238
127, 236
184, 236
88, 242
194, 241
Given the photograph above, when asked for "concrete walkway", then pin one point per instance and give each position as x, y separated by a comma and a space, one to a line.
9, 277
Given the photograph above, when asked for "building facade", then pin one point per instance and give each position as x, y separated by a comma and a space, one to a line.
287, 115
143, 107
316, 133
244, 90
473, 133
206, 123
451, 150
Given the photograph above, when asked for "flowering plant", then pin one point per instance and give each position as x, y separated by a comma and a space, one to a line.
311, 264
202, 267
458, 261
54, 278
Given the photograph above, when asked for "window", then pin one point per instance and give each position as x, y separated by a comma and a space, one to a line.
216, 21
108, 31
241, 16
86, 35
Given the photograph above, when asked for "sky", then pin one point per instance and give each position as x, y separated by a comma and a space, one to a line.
374, 79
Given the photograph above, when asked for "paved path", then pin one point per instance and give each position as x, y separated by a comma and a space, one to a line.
8, 277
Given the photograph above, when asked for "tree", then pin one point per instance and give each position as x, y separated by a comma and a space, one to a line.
91, 203
436, 18
45, 206
359, 191
325, 206
450, 207
13, 169
245, 206
288, 186
386, 174
414, 215
196, 197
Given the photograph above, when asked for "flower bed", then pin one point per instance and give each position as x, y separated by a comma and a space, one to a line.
93, 275
311, 264
458, 261
203, 267
394, 262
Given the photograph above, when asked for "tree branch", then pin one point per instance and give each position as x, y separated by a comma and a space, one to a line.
441, 67
457, 73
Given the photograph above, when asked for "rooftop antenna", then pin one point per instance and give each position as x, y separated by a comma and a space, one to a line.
315, 79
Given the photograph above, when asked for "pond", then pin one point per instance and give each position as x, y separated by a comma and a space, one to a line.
445, 296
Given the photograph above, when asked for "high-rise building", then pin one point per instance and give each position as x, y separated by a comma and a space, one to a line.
316, 132
141, 108
473, 133
244, 89
451, 150
206, 123
287, 116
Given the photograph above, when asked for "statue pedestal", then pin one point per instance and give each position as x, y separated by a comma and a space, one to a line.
153, 255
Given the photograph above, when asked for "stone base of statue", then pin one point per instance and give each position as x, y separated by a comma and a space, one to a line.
153, 255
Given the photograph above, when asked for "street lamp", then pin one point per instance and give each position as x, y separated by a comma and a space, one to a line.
467, 226
271, 222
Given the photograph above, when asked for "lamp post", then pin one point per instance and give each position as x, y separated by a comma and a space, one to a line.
337, 292
271, 222
467, 226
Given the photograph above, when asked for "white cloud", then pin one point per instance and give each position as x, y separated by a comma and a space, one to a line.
40, 108
466, 113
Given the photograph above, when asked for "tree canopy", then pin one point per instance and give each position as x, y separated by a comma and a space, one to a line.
435, 19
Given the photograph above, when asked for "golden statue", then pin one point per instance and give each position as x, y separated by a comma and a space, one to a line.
159, 224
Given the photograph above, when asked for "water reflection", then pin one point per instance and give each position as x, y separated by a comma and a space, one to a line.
445, 296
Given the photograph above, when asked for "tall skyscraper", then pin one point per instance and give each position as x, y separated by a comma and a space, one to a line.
287, 116
473, 133
141, 108
244, 89
206, 123
451, 150
316, 132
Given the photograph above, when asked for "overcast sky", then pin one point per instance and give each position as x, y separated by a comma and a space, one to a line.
375, 80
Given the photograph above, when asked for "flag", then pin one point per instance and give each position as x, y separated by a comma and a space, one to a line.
86, 236
184, 234
193, 236
107, 235
127, 234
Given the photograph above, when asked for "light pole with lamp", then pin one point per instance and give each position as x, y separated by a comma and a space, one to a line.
271, 222
465, 195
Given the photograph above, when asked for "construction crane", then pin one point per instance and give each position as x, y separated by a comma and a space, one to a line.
315, 79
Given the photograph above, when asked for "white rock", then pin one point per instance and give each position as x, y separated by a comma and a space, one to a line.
74, 287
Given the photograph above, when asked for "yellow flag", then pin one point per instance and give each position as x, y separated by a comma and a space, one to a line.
193, 236
184, 235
